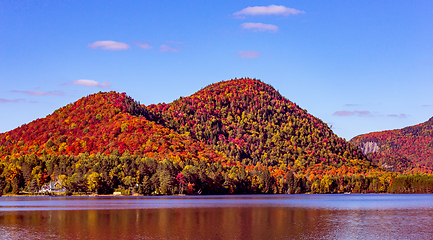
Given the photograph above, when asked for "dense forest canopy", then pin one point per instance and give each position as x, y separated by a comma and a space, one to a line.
236, 136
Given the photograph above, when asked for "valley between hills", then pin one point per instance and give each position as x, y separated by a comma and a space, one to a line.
233, 137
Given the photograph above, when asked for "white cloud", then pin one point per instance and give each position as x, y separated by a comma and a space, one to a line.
144, 45
165, 48
109, 45
353, 113
248, 54
2, 100
91, 83
351, 104
40, 93
174, 42
259, 27
401, 115
269, 10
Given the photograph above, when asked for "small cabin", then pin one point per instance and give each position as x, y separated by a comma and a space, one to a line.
53, 186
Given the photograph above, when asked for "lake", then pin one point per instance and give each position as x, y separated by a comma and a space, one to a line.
351, 216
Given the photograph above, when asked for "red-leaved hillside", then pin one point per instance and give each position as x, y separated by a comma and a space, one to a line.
102, 123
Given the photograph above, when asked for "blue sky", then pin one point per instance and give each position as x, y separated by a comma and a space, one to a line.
360, 66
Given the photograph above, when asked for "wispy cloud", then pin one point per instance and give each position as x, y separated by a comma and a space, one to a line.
351, 104
174, 42
248, 54
353, 113
144, 45
90, 83
2, 100
259, 27
427, 105
109, 45
166, 48
269, 10
40, 93
401, 115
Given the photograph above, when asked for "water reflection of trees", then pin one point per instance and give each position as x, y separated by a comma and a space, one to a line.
215, 223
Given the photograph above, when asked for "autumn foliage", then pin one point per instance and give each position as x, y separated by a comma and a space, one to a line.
237, 136
102, 123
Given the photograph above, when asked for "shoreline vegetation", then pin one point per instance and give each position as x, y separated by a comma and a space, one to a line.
404, 180
147, 176
233, 137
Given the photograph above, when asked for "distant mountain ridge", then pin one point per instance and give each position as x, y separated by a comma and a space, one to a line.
409, 149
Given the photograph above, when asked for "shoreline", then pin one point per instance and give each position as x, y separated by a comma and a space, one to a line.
181, 195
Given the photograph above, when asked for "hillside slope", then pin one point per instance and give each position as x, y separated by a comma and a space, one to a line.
101, 123
251, 122
409, 149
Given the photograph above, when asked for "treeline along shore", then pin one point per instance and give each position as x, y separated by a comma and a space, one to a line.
127, 174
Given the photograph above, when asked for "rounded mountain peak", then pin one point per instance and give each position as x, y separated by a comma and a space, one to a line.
242, 86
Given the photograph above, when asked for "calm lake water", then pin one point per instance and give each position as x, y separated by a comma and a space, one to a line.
354, 216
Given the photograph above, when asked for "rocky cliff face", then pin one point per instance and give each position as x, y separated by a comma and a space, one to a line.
369, 147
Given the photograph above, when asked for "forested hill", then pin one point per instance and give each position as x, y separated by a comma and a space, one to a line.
236, 136
252, 123
409, 149
101, 123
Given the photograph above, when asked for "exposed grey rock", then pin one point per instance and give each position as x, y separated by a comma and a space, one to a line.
368, 147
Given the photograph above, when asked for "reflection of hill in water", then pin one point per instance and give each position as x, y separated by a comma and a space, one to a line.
240, 217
